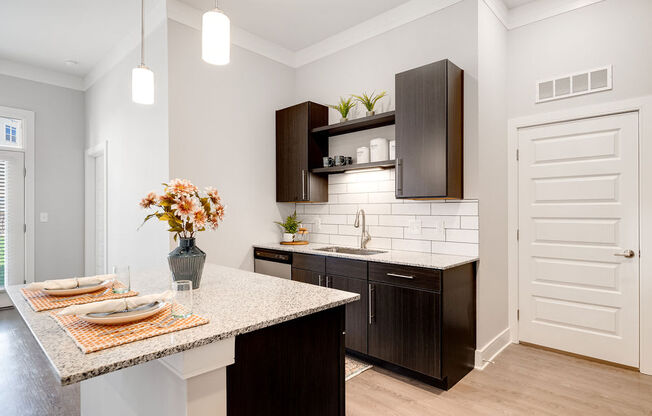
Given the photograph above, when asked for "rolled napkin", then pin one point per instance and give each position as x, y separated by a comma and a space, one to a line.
116, 305
70, 283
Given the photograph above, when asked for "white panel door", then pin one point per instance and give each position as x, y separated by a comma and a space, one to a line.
578, 215
12, 217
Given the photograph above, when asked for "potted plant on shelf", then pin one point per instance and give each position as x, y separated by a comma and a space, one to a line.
344, 107
369, 101
290, 227
187, 212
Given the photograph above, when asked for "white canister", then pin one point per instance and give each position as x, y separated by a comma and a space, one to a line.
362, 155
379, 149
392, 149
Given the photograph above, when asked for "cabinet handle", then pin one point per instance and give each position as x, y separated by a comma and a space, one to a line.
303, 185
329, 281
372, 315
399, 177
319, 279
403, 276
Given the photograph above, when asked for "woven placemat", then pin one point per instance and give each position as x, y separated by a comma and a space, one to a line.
41, 301
91, 337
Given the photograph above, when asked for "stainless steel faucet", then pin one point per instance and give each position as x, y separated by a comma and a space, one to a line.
365, 237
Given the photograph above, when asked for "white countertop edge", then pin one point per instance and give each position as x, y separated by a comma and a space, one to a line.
406, 258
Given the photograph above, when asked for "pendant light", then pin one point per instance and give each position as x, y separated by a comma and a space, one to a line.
142, 78
216, 37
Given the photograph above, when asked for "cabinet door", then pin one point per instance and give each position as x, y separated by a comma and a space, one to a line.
356, 312
429, 132
307, 276
292, 126
405, 328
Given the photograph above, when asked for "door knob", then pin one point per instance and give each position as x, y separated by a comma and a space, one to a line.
627, 253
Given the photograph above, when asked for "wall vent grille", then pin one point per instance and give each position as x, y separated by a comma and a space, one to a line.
572, 85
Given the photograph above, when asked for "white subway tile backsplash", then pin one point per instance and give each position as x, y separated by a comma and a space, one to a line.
356, 198
469, 222
411, 245
410, 208
382, 197
434, 221
389, 232
396, 220
316, 209
462, 236
448, 227
460, 249
345, 240
454, 208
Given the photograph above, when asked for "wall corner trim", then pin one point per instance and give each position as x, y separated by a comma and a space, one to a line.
492, 349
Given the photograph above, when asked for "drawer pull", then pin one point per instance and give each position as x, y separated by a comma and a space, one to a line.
402, 276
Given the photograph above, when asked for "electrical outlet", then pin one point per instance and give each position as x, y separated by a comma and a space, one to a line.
317, 224
415, 227
43, 216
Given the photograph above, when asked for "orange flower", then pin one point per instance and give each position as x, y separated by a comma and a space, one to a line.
181, 187
185, 207
213, 195
149, 200
199, 219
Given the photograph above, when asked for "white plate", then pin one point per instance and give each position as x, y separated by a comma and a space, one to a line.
116, 318
79, 290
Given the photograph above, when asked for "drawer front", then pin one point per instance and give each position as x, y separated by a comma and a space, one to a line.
416, 277
309, 262
346, 267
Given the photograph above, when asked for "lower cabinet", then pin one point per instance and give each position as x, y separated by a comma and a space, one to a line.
356, 312
404, 327
307, 276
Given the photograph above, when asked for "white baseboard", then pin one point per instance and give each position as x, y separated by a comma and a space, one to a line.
492, 349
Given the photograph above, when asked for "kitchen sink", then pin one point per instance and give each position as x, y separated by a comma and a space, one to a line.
351, 250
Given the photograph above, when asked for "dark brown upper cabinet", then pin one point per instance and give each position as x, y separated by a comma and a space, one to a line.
429, 141
297, 151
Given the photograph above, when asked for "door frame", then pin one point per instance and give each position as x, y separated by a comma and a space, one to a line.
91, 155
642, 105
28, 136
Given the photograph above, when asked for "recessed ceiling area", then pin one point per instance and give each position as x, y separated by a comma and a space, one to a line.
296, 24
47, 33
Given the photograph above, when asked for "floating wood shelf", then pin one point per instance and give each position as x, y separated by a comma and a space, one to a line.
365, 123
355, 166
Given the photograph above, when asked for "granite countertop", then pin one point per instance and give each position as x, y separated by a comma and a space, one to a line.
235, 302
408, 258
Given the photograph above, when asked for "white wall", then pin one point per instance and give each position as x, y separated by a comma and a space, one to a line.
58, 173
492, 165
137, 152
371, 65
616, 32
222, 134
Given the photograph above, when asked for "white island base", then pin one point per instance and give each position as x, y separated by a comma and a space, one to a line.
191, 383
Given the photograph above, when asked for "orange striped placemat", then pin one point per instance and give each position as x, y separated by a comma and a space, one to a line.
91, 337
41, 301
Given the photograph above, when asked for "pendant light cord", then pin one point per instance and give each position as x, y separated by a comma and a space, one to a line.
142, 32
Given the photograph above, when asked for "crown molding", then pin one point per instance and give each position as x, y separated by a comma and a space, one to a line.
543, 9
189, 16
38, 74
500, 10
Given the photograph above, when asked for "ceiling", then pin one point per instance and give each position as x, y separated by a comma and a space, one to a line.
46, 33
296, 24
515, 3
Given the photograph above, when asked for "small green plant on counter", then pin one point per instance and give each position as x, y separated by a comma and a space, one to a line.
291, 224
369, 101
344, 106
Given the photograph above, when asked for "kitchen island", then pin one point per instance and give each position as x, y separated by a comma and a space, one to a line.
271, 346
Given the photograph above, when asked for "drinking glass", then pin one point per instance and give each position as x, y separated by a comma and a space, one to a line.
182, 302
122, 279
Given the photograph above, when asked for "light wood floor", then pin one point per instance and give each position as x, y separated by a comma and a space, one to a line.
523, 381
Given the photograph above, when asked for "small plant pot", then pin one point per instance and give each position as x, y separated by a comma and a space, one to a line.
371, 113
343, 119
288, 237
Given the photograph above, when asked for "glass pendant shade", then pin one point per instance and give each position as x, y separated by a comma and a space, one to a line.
142, 85
216, 38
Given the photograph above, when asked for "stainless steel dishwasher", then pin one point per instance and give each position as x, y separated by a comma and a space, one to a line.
273, 262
